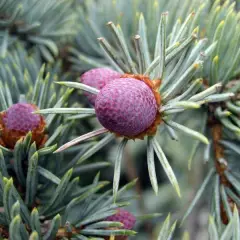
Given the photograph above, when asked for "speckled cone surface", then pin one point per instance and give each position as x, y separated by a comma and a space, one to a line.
17, 121
98, 78
126, 106
19, 117
126, 218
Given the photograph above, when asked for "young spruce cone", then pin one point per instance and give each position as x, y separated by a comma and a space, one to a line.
98, 78
126, 106
17, 121
126, 218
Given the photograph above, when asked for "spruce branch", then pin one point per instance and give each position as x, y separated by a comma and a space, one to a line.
35, 24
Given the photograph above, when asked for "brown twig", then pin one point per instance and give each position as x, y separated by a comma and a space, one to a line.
220, 162
221, 166
62, 232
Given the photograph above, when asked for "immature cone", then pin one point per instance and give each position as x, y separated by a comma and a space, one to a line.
98, 78
126, 106
17, 121
126, 218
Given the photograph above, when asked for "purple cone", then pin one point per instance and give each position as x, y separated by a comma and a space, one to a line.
126, 106
19, 117
98, 78
125, 217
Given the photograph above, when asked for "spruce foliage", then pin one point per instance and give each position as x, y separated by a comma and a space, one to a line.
187, 52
